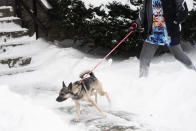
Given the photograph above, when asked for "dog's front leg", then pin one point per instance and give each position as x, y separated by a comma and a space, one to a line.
78, 110
95, 94
94, 104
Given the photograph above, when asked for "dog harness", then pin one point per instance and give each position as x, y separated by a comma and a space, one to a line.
79, 95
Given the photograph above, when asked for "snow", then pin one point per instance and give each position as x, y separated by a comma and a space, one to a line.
104, 2
10, 27
164, 101
190, 4
6, 7
46, 4
9, 18
19, 113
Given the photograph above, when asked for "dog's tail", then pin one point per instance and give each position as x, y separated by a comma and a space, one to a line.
86, 72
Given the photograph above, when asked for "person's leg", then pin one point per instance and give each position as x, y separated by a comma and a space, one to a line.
181, 56
146, 55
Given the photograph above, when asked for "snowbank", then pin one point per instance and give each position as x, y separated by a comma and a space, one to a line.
17, 113
166, 98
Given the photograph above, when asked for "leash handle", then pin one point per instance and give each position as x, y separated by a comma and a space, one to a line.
85, 76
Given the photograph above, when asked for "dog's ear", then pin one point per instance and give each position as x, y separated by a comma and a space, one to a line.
64, 84
70, 86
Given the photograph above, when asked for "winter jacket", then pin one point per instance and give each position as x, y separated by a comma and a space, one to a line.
174, 12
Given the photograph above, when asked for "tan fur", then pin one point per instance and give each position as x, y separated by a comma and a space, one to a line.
76, 88
78, 110
66, 96
98, 87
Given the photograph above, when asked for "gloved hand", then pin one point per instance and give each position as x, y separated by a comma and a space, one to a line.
133, 26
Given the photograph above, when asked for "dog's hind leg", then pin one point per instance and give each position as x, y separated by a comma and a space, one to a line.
78, 110
102, 93
94, 104
107, 96
95, 94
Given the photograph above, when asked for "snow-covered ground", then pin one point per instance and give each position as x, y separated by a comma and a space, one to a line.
165, 101
19, 113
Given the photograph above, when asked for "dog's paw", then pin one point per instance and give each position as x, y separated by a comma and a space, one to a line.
104, 115
76, 120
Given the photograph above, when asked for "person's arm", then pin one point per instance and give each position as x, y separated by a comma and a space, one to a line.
181, 11
140, 19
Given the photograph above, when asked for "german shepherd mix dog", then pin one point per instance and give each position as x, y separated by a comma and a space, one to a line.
82, 91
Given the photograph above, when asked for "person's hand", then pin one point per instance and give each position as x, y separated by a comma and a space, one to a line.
133, 26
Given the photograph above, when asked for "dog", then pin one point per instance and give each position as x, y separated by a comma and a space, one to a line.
78, 91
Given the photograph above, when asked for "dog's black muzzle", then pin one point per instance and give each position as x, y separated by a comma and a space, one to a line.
59, 99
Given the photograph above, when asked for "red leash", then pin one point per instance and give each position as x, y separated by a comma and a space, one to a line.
107, 55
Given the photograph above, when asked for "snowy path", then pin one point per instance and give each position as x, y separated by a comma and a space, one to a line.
165, 101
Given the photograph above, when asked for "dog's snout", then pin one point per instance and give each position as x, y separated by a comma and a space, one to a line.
58, 99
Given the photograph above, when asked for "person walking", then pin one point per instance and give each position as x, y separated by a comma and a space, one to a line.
162, 25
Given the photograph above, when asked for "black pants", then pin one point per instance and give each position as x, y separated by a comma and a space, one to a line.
149, 50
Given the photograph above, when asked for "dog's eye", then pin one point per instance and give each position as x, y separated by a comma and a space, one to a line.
61, 94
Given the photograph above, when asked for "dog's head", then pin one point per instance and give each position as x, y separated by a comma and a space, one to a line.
64, 93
